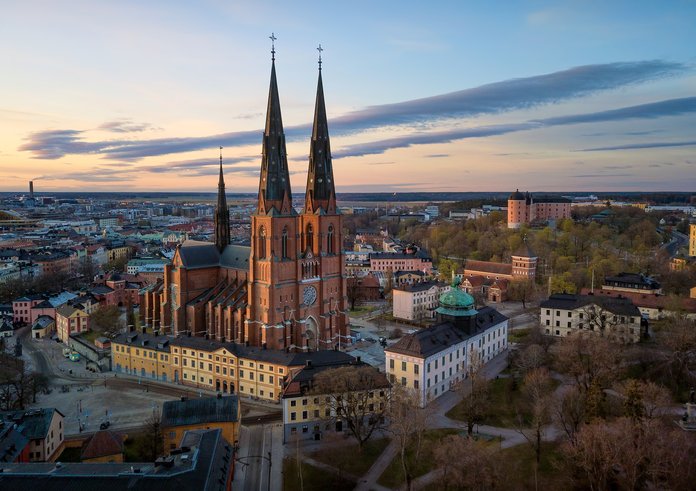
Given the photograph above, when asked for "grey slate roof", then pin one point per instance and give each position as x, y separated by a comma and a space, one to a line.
200, 411
615, 305
426, 342
33, 423
235, 257
196, 254
202, 469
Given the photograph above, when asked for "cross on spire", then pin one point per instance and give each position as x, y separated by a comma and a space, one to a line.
320, 49
221, 156
273, 40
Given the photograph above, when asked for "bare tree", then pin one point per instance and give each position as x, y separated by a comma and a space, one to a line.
353, 291
467, 464
530, 358
358, 395
588, 359
537, 390
476, 394
408, 422
154, 437
629, 454
570, 411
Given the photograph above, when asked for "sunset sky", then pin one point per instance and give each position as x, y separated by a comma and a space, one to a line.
422, 96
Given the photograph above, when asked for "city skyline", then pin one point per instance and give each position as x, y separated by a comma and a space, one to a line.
453, 98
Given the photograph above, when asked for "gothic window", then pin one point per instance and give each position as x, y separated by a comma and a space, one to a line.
262, 243
330, 240
309, 237
284, 243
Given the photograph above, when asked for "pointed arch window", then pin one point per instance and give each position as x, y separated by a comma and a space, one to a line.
262, 243
284, 243
330, 240
309, 237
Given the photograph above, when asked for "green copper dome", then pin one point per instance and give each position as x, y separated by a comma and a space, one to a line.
456, 302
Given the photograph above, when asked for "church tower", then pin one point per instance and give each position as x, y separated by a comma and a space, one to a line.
296, 278
222, 215
273, 290
321, 264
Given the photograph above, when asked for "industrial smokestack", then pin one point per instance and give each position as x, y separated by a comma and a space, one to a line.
31, 189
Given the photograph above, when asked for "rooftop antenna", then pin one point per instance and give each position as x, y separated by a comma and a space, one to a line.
273, 40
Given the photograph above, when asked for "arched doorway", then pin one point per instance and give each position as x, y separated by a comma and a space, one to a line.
312, 334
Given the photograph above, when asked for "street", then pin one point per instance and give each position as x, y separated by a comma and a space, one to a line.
252, 460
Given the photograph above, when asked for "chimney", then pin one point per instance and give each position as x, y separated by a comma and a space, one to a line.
31, 189
309, 363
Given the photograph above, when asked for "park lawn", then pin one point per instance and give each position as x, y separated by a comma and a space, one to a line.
505, 404
518, 335
313, 478
519, 468
393, 475
362, 309
350, 459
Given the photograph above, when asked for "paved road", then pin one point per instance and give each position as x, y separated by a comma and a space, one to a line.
252, 471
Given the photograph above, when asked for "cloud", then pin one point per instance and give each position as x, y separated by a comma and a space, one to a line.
381, 163
436, 155
508, 95
639, 146
670, 107
124, 126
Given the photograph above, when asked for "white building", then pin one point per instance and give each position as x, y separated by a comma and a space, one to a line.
436, 359
419, 301
613, 317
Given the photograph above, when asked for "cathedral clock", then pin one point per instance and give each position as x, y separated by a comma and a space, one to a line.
309, 295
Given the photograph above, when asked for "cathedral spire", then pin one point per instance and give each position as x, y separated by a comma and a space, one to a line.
321, 192
222, 214
274, 184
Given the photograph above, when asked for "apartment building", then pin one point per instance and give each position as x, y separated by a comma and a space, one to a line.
418, 302
616, 318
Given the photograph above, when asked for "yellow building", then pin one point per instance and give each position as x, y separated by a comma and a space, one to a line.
692, 239
118, 253
219, 412
197, 362
143, 355
308, 414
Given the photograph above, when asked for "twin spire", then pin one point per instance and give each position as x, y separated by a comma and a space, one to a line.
275, 196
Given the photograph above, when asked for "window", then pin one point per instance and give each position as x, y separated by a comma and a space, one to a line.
391, 363
293, 403
284, 244
304, 414
309, 237
403, 366
293, 416
416, 368
330, 240
261, 245
403, 381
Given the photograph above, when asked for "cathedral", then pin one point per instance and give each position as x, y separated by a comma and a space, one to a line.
286, 291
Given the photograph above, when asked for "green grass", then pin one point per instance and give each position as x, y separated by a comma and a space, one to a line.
393, 475
313, 478
518, 335
362, 309
350, 459
506, 402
